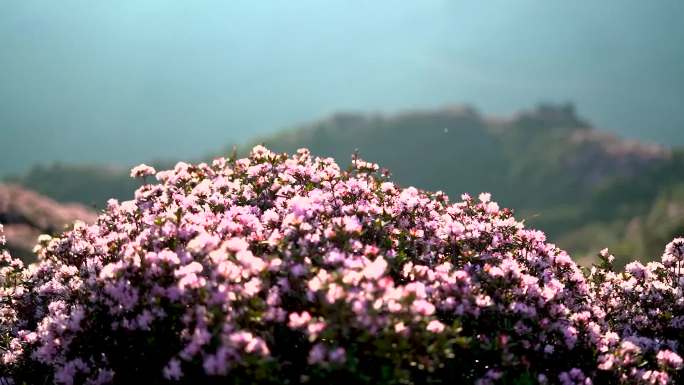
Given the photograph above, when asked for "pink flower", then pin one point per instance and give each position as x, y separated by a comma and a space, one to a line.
315, 328
257, 346
676, 248
606, 361
435, 326
352, 224
423, 307
191, 268
300, 206
669, 359
236, 244
299, 320
485, 197
142, 170
172, 371
376, 269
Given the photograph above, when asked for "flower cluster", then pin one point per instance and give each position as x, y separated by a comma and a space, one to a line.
142, 171
644, 308
277, 269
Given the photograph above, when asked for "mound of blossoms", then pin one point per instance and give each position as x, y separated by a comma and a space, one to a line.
286, 270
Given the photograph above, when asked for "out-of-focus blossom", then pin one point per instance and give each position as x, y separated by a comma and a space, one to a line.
142, 170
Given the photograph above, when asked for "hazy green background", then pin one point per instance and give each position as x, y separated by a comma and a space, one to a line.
129, 81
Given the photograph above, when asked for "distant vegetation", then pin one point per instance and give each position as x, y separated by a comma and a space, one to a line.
585, 188
26, 215
90, 185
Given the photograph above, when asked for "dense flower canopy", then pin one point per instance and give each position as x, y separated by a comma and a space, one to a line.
277, 269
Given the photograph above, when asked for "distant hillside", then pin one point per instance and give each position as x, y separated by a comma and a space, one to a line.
633, 215
26, 214
549, 164
584, 187
89, 185
541, 158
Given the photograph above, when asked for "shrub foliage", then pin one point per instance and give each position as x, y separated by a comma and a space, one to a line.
287, 270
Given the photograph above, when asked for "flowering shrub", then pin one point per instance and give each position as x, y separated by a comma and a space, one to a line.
644, 305
282, 270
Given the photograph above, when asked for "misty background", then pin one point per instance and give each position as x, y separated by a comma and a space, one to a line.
130, 81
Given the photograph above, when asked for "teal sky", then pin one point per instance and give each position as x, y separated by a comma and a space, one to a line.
128, 81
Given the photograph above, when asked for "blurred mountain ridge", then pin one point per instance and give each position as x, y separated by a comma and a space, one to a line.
585, 187
457, 149
25, 215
